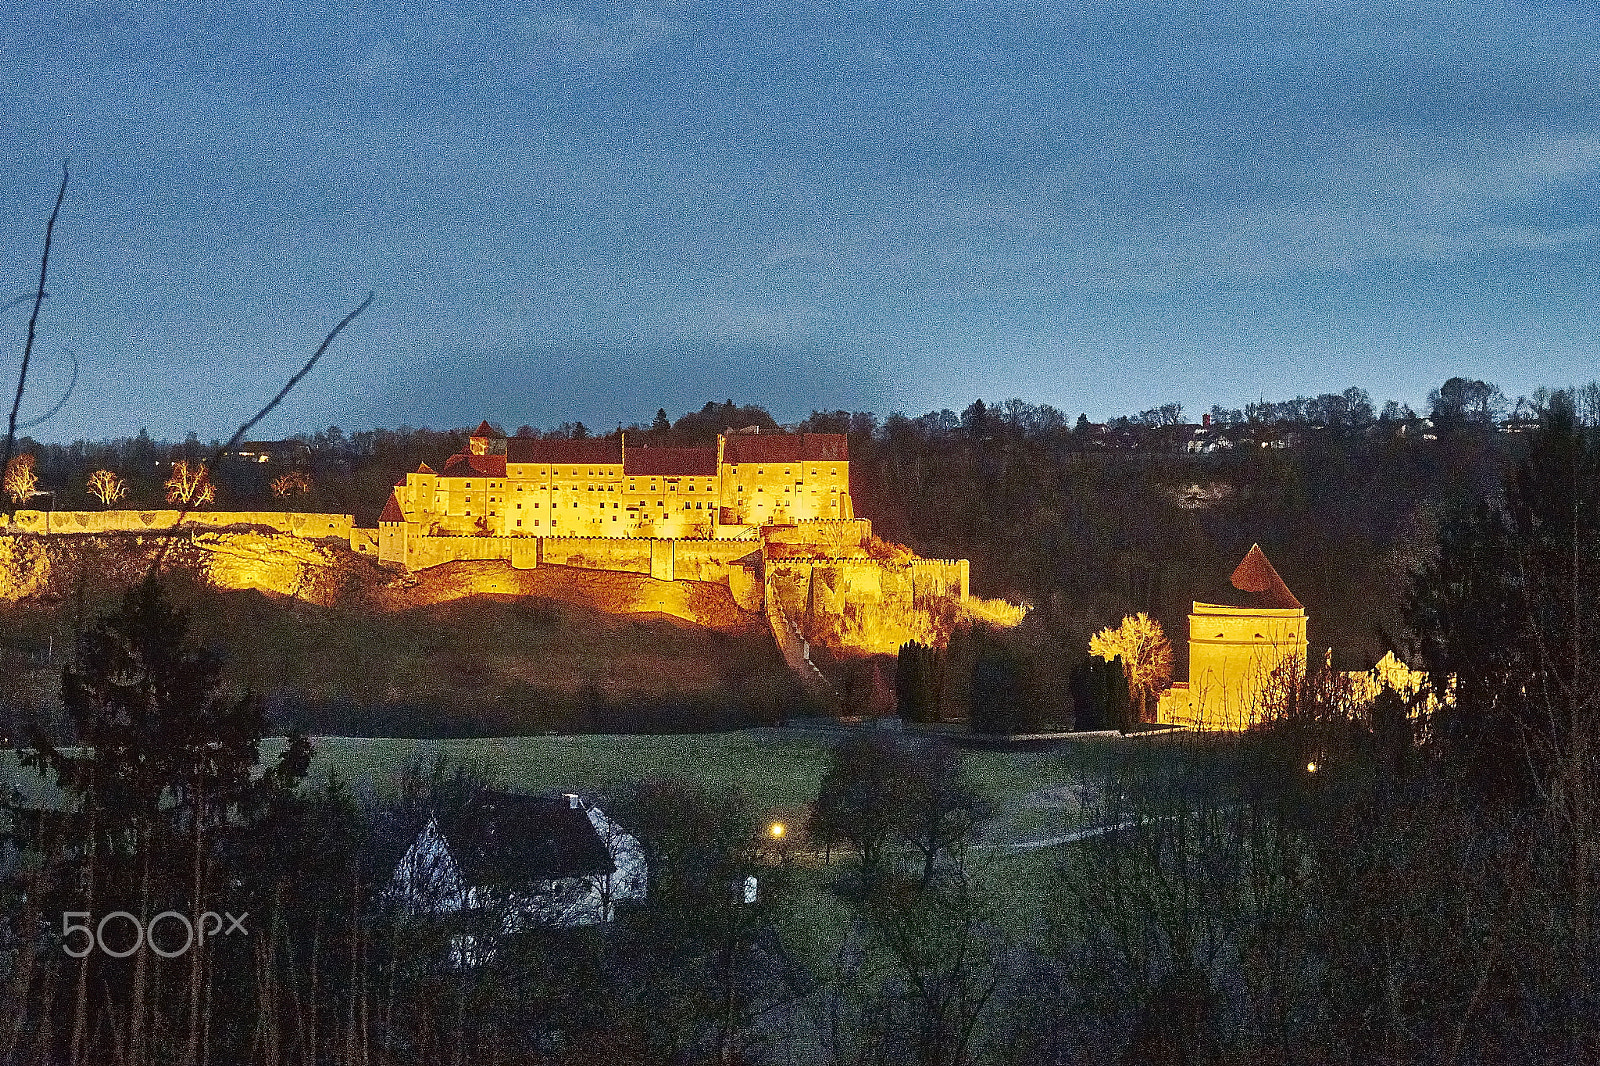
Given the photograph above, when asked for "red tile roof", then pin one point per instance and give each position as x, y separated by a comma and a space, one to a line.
475, 466
486, 430
695, 462
391, 510
786, 448
563, 452
1256, 584
424, 469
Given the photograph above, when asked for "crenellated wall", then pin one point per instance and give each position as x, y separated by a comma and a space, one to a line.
941, 577
293, 523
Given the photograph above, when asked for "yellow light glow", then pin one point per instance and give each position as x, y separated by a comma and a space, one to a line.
1311, 767
776, 830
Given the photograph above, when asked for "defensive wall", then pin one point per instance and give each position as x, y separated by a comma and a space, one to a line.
660, 558
293, 523
794, 648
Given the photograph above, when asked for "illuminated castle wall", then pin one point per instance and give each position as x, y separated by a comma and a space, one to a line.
1238, 649
601, 488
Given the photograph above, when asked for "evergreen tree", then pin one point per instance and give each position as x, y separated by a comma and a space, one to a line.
999, 686
660, 427
1509, 610
918, 682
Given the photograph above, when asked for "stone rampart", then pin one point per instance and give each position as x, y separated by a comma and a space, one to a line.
423, 552
837, 534
292, 523
627, 554
793, 647
940, 577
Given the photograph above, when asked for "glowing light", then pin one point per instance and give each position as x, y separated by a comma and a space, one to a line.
776, 830
1311, 767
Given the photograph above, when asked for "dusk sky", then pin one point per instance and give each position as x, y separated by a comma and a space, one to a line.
589, 211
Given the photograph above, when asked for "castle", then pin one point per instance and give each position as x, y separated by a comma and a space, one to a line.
530, 488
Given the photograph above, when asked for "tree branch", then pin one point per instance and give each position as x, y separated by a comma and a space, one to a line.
33, 319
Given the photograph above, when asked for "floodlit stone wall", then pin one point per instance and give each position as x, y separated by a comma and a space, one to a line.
293, 523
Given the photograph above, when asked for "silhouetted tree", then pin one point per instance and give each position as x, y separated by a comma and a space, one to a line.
918, 682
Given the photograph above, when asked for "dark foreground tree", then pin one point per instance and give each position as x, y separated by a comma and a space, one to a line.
1508, 614
883, 792
163, 779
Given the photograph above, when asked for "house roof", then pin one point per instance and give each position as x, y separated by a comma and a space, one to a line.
424, 469
786, 447
391, 511
504, 839
486, 430
697, 462
564, 452
475, 466
1255, 583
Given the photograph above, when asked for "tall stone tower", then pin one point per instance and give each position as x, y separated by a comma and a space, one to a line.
486, 440
1254, 633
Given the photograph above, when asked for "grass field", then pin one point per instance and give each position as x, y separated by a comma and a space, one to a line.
1032, 792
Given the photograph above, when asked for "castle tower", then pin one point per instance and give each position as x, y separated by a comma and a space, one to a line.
486, 440
1252, 637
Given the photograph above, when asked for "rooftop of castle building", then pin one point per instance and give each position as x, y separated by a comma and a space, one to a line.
563, 452
475, 466
690, 462
391, 511
486, 430
786, 448
1255, 583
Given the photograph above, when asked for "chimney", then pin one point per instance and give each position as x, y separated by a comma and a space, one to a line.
1205, 420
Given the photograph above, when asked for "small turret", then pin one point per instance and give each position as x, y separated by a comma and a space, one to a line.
486, 440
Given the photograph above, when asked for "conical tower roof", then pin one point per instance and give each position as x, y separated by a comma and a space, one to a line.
1260, 583
486, 430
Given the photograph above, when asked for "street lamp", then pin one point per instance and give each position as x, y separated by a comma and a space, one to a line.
777, 830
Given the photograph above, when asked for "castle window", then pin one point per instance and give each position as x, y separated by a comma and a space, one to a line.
519, 521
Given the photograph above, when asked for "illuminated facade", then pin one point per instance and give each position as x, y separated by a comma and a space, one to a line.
605, 488
1239, 648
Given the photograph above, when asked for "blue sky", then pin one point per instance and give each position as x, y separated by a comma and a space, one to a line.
588, 211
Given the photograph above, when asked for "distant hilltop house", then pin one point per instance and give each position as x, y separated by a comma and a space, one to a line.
270, 451
608, 488
508, 862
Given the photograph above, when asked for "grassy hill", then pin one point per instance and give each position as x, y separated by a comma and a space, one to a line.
474, 666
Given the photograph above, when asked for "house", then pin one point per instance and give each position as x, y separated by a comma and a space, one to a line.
507, 862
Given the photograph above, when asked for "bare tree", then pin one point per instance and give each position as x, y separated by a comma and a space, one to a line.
21, 480
190, 485
107, 487
291, 484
